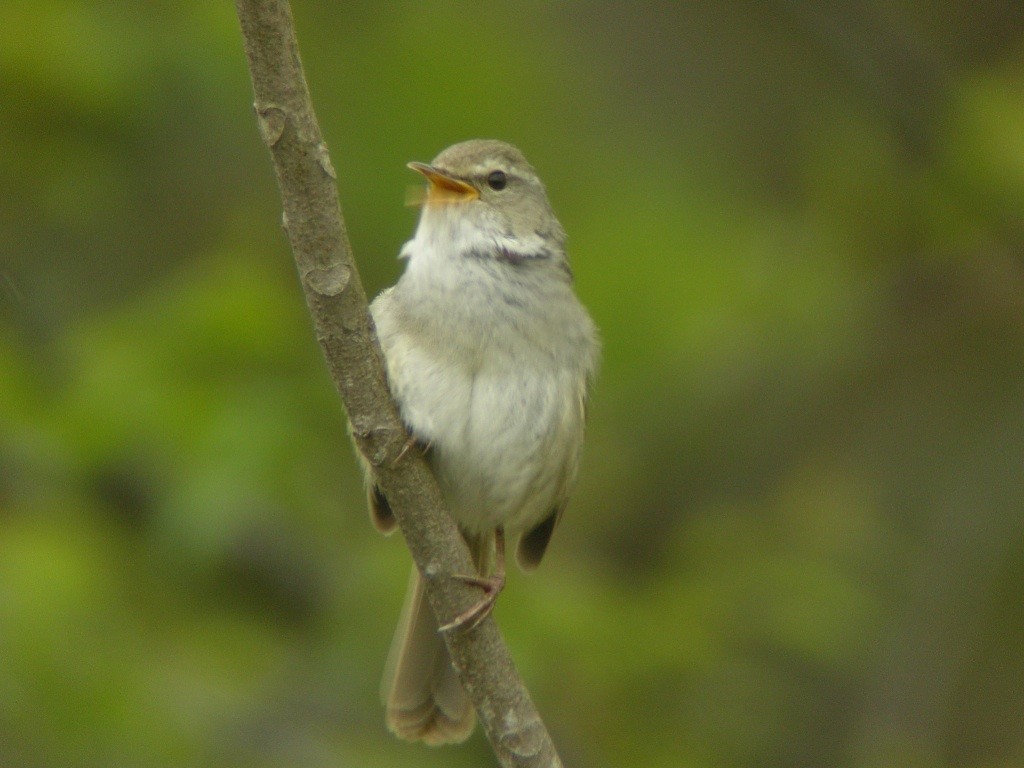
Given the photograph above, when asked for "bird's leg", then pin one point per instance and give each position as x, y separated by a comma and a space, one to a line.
491, 585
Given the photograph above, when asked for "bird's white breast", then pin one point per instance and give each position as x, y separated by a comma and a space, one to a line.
484, 372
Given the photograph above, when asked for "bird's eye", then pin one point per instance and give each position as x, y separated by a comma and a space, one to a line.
497, 180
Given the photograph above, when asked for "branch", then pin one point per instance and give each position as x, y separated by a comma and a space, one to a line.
337, 303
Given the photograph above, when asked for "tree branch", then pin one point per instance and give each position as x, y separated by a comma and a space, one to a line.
337, 303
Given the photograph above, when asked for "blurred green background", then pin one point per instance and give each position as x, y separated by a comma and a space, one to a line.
798, 538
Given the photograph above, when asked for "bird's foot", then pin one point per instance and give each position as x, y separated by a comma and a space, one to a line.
492, 585
471, 618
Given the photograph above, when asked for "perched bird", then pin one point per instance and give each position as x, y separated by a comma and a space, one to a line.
489, 357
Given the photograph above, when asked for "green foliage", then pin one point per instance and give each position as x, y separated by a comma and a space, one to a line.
797, 536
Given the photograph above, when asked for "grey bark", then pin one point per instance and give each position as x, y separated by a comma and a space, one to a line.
338, 307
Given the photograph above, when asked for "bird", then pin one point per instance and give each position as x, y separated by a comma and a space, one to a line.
490, 358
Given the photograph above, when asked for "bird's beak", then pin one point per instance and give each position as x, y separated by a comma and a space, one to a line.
444, 188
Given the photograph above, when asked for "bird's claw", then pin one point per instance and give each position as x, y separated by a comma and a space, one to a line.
471, 618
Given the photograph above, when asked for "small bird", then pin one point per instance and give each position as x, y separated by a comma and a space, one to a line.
490, 357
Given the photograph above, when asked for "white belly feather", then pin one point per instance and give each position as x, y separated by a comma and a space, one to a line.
503, 418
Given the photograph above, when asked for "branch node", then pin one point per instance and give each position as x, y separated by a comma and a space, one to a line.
324, 158
376, 443
328, 281
431, 571
525, 740
271, 120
